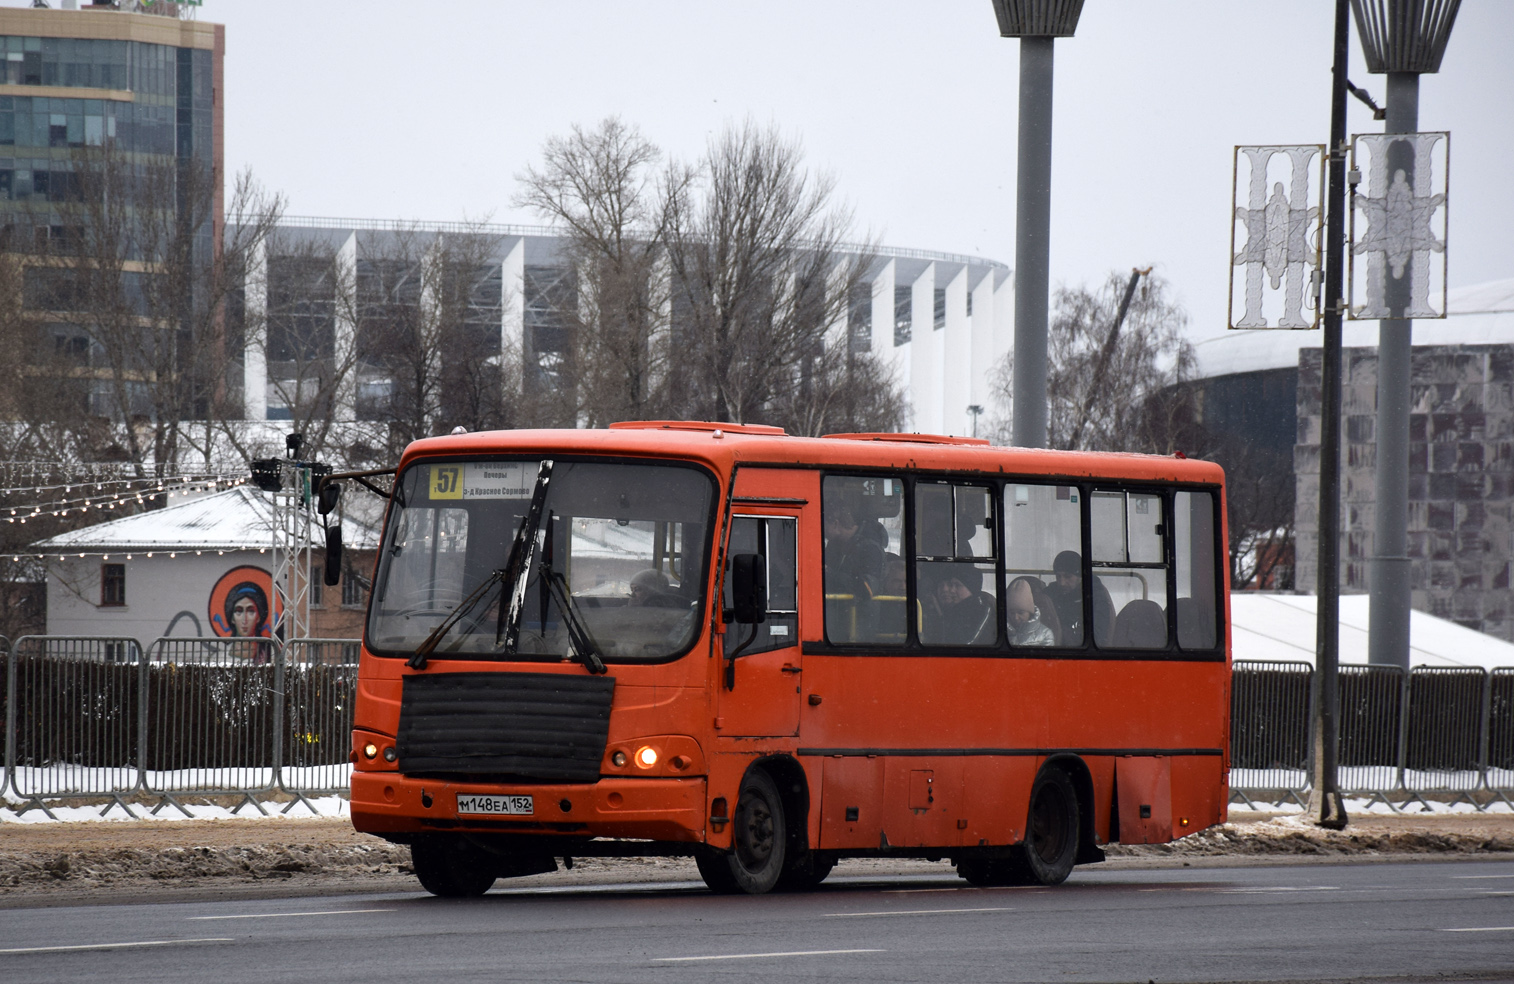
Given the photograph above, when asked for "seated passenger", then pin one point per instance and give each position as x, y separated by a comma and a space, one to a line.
650, 589
960, 614
1067, 597
1025, 626
853, 563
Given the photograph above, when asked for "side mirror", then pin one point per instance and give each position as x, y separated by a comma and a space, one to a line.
330, 494
333, 555
749, 588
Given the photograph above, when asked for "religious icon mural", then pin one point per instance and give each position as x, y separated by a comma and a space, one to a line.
242, 604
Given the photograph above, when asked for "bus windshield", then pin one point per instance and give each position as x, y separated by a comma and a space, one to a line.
616, 563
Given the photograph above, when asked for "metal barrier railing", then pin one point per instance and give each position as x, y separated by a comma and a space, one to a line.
1443, 734
1269, 740
214, 711
320, 683
93, 717
100, 717
1498, 759
1371, 720
73, 719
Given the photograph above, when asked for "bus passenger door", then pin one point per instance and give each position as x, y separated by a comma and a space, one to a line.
760, 673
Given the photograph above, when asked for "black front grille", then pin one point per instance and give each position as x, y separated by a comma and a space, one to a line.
542, 726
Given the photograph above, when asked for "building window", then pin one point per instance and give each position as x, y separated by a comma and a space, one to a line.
940, 310
317, 583
112, 584
353, 590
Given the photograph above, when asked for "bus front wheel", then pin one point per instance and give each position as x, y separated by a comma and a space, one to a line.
759, 836
451, 867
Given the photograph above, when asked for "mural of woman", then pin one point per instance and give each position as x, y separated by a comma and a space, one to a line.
247, 611
242, 605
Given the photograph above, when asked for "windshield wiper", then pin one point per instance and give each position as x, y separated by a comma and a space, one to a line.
428, 646
581, 644
527, 539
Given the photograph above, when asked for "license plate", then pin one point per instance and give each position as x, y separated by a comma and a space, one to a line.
507, 806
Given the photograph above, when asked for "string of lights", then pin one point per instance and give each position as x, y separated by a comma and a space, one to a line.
21, 512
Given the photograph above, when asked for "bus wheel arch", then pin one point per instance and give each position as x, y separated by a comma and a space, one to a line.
1077, 770
760, 822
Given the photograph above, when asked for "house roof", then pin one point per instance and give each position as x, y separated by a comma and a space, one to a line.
1479, 314
236, 519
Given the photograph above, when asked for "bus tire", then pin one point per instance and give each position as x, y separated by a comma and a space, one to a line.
1051, 830
807, 872
759, 837
450, 867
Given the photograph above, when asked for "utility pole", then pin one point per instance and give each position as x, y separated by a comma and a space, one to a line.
1325, 804
1037, 23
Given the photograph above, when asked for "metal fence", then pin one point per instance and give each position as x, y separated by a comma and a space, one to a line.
1442, 731
104, 717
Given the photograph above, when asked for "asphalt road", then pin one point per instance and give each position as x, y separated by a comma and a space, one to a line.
1396, 921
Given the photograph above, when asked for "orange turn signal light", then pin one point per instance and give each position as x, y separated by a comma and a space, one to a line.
646, 756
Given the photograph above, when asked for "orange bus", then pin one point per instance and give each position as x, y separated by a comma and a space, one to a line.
771, 652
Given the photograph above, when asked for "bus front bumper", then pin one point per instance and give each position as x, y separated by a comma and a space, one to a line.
662, 809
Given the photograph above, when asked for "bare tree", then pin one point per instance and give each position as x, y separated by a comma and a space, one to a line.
1105, 387
609, 190
128, 259
429, 307
713, 291
757, 258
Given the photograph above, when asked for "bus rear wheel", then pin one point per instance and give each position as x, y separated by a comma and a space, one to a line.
759, 836
1051, 836
450, 867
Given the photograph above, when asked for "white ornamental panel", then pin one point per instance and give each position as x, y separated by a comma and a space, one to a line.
1398, 225
1278, 197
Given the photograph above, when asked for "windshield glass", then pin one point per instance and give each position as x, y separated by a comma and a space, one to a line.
625, 544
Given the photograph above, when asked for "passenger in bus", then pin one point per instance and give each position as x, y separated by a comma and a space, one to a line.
895, 579
1025, 625
853, 563
1067, 597
649, 589
960, 613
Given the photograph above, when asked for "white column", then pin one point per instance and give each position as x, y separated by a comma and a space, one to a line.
925, 354
255, 335
344, 345
981, 328
957, 356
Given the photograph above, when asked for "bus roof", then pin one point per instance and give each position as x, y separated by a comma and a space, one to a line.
722, 446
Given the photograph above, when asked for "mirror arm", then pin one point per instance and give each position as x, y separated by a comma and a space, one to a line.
730, 660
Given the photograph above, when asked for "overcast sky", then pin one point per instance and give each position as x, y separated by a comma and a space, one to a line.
388, 109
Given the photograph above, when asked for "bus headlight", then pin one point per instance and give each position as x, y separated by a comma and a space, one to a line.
370, 750
646, 756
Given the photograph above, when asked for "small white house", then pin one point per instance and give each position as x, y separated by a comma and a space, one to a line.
201, 568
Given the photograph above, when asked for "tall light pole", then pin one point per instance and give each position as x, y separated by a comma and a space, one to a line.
1402, 39
1037, 23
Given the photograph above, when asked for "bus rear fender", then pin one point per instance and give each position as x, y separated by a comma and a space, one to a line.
1089, 851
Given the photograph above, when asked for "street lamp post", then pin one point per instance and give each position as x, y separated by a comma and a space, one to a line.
1402, 39
1037, 23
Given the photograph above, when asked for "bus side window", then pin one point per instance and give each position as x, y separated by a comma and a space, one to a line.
1193, 526
956, 575
864, 567
1130, 577
775, 539
1043, 535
